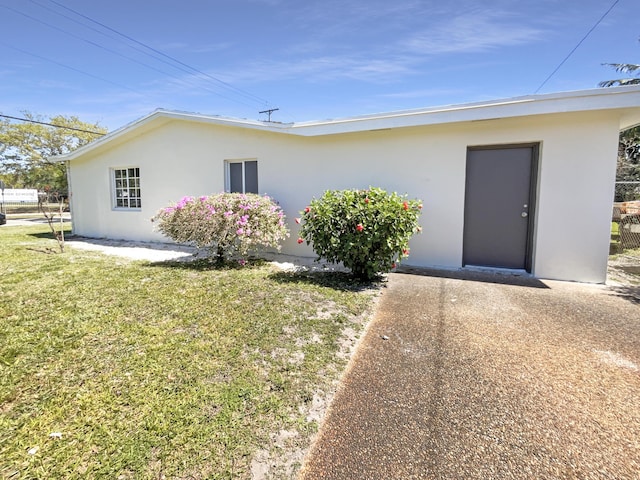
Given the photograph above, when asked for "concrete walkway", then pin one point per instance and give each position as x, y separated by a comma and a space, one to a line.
489, 377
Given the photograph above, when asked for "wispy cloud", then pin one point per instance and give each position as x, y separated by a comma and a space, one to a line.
421, 93
7, 73
186, 47
271, 3
324, 68
412, 34
475, 31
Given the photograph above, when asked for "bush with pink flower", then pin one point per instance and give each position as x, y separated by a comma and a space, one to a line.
367, 230
230, 225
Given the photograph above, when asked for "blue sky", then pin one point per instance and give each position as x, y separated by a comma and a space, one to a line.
311, 59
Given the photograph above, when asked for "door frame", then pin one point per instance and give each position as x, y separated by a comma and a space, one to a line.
533, 194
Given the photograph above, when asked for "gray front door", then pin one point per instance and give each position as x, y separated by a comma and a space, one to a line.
499, 207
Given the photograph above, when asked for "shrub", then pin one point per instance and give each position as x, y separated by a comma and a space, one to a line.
228, 224
367, 230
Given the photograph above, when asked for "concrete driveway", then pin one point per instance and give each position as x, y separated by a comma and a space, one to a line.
489, 377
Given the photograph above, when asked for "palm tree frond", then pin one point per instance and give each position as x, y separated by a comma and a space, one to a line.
625, 67
620, 82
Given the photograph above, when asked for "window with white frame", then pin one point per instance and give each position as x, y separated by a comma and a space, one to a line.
126, 188
241, 176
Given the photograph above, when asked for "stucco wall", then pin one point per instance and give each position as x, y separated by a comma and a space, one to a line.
575, 187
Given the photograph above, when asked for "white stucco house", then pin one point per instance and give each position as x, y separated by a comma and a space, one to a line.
524, 183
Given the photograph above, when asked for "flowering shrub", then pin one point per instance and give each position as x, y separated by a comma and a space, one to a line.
229, 224
367, 230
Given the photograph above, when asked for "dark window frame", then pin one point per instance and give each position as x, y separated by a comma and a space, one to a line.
241, 176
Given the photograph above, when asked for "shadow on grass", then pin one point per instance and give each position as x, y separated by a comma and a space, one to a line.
206, 264
48, 235
44, 235
631, 269
614, 248
336, 280
631, 293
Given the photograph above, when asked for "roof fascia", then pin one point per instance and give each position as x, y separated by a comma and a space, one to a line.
579, 101
160, 117
624, 98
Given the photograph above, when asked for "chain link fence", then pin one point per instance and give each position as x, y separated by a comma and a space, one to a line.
626, 215
50, 201
627, 192
624, 263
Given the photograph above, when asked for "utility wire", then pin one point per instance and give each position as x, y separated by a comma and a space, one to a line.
51, 124
112, 37
114, 52
73, 69
578, 45
78, 37
191, 69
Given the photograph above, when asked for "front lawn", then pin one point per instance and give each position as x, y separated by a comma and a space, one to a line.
118, 369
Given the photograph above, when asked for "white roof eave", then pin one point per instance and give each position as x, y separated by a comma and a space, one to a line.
579, 101
584, 100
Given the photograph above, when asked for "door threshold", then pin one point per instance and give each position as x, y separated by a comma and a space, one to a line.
516, 272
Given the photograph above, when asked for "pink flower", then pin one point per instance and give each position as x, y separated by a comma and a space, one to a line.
420, 206
240, 231
307, 210
366, 199
203, 198
405, 251
298, 220
242, 262
300, 240
405, 205
228, 213
359, 227
183, 202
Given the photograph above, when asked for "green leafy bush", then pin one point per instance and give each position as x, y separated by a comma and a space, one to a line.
367, 230
228, 224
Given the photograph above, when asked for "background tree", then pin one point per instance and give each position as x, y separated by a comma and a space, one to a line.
26, 149
628, 169
629, 153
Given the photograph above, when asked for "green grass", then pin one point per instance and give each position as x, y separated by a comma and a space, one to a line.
148, 370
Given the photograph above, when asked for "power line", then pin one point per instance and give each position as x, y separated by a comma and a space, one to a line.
90, 42
51, 124
578, 45
151, 67
150, 52
73, 69
191, 68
